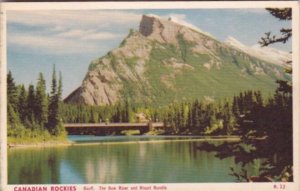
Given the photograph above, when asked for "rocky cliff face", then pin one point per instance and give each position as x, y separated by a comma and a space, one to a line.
103, 83
165, 61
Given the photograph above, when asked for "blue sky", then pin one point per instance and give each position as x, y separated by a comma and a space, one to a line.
36, 40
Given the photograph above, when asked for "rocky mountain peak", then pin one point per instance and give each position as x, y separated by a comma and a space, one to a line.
170, 30
159, 29
146, 25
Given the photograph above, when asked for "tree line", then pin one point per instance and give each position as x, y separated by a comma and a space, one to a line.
194, 117
81, 113
32, 111
210, 118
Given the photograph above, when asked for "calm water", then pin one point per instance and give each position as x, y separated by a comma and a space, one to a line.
138, 162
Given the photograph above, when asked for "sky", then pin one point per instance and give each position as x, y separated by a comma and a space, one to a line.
70, 40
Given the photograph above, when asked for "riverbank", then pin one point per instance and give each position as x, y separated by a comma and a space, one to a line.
156, 141
57, 143
40, 144
39, 141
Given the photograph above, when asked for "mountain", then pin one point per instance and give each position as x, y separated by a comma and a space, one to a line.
166, 61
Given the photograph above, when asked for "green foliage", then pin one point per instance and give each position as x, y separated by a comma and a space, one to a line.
12, 115
131, 62
266, 134
31, 103
11, 91
22, 103
131, 32
286, 33
209, 118
121, 112
28, 112
55, 123
23, 135
83, 113
41, 100
184, 48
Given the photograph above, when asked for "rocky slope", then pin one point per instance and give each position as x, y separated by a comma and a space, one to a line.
165, 61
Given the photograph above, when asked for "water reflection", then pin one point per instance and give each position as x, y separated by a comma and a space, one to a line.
28, 166
168, 162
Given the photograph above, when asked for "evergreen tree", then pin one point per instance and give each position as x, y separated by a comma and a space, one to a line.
12, 95
125, 112
284, 14
190, 118
60, 85
41, 101
31, 105
13, 120
228, 120
54, 125
12, 116
53, 104
235, 107
22, 103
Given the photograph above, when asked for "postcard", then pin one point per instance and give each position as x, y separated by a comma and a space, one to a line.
150, 96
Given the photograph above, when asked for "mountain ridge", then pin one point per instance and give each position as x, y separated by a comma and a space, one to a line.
165, 61
267, 54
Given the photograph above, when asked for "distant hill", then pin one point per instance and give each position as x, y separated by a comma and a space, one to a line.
166, 61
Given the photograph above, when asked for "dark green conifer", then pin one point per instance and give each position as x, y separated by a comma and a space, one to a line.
41, 101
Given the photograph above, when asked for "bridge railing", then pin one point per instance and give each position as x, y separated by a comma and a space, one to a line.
107, 128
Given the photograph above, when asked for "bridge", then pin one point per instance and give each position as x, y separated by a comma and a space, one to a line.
110, 128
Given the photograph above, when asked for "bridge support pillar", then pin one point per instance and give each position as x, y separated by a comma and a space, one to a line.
150, 126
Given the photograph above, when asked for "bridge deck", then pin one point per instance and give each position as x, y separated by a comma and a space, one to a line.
108, 125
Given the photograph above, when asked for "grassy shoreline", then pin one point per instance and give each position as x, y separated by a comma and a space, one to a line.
65, 142
41, 141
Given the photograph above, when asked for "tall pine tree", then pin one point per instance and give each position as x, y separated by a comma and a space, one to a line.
12, 99
31, 105
54, 125
22, 103
41, 101
12, 95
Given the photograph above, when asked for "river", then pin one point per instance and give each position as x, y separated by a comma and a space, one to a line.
120, 159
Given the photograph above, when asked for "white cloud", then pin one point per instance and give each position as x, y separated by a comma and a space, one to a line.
72, 18
101, 36
51, 44
75, 33
88, 35
67, 32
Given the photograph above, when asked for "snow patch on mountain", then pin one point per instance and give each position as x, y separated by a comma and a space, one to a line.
183, 22
267, 54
